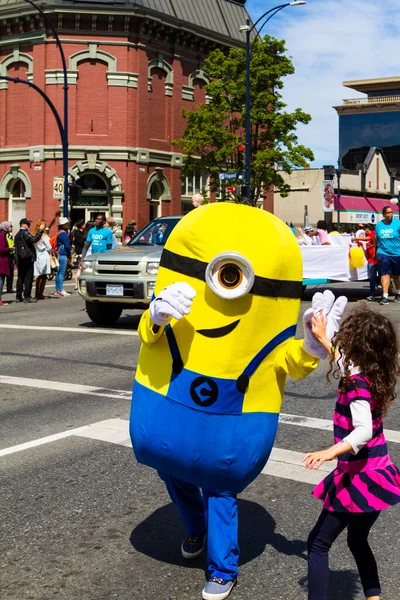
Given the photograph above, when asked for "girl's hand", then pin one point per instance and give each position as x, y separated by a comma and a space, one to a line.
314, 460
318, 326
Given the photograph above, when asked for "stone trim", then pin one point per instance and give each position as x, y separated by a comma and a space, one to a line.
100, 166
106, 153
121, 79
56, 77
160, 63
159, 176
91, 53
15, 57
15, 173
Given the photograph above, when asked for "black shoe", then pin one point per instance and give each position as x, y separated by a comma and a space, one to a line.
11, 292
30, 300
18, 300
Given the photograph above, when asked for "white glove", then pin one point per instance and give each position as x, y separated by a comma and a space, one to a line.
332, 310
173, 301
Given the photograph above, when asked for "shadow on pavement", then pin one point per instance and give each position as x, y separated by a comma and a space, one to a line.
161, 534
342, 584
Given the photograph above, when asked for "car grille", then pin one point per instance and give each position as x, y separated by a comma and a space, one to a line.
126, 267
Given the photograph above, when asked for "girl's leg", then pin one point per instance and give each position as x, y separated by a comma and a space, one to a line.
372, 273
320, 540
357, 540
2, 279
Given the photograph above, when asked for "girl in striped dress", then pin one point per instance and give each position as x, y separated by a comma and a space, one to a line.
365, 355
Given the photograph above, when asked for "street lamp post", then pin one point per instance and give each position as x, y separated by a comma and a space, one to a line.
64, 130
338, 175
249, 29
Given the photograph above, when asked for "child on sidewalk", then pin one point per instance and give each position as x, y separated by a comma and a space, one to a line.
365, 352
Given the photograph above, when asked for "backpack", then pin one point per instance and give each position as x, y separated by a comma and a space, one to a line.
53, 241
23, 252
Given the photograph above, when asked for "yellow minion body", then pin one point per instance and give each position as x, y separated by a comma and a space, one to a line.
269, 246
209, 387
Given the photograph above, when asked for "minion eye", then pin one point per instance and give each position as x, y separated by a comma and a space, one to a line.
230, 275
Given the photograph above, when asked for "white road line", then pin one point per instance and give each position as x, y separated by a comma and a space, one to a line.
282, 463
72, 388
72, 329
41, 441
391, 435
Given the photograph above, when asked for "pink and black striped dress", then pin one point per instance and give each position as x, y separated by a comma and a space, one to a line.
367, 481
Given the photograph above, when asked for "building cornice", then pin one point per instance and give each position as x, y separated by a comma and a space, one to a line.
104, 153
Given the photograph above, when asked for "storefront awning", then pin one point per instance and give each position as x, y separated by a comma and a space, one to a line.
361, 204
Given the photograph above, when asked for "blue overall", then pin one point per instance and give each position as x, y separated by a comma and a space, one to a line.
198, 437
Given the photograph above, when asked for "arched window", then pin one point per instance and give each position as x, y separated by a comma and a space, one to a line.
16, 202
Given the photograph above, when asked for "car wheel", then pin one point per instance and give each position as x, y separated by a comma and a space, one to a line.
103, 314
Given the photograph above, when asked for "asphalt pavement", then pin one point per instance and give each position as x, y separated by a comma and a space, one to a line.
81, 520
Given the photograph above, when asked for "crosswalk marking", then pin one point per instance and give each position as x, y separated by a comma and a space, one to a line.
390, 434
71, 329
72, 388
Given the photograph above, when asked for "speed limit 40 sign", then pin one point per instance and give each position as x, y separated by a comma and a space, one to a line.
58, 188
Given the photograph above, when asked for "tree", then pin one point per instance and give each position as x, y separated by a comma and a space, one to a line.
215, 130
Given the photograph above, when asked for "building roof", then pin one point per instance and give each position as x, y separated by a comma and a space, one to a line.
221, 17
372, 85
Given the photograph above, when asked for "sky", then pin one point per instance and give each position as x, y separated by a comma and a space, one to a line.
331, 41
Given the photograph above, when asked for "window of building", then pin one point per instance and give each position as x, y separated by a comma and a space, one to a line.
194, 184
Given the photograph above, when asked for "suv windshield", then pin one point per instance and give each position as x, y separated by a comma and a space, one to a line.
155, 233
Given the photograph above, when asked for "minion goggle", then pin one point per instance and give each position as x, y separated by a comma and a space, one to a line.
230, 275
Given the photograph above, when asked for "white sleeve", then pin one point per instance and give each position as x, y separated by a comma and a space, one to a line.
362, 422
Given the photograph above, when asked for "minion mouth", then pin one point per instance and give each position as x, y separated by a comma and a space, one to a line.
218, 332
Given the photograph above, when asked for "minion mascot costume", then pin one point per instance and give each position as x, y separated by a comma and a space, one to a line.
218, 343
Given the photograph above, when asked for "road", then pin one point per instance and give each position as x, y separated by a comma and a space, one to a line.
81, 520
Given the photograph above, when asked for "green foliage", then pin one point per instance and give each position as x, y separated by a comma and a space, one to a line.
213, 131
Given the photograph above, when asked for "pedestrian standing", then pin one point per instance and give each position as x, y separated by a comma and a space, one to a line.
130, 232
25, 256
11, 261
387, 251
365, 481
42, 266
99, 238
372, 261
4, 255
63, 250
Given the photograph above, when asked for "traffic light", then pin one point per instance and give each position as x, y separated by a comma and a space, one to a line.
74, 192
240, 156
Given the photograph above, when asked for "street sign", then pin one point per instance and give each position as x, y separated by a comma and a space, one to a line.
58, 188
227, 176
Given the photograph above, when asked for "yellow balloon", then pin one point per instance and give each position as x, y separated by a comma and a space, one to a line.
357, 258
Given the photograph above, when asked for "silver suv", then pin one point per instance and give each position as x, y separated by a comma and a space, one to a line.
125, 277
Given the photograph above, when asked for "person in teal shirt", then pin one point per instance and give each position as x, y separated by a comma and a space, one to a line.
99, 238
387, 251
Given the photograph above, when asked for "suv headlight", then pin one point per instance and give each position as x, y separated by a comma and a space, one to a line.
87, 266
152, 268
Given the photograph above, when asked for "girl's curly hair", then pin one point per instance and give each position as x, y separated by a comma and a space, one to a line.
368, 340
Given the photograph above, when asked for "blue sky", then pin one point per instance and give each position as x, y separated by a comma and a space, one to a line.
331, 41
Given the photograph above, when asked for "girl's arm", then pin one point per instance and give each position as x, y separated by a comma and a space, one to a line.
314, 460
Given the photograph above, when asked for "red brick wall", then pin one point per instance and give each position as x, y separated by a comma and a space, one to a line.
99, 115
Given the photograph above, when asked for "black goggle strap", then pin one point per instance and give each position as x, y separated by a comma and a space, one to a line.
191, 267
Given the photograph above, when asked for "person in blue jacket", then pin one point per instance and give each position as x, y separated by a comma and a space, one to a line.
64, 255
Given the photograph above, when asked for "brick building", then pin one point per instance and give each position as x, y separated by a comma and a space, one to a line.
132, 65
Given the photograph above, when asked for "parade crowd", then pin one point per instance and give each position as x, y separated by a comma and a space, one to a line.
38, 256
381, 244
